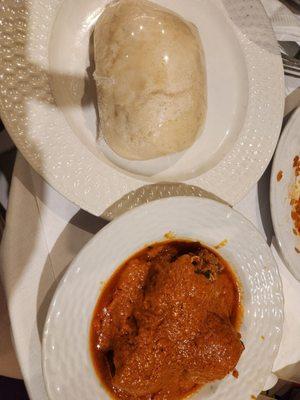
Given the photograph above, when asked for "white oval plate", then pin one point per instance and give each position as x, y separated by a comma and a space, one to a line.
46, 95
67, 366
288, 148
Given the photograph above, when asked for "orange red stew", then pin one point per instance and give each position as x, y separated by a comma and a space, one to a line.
167, 323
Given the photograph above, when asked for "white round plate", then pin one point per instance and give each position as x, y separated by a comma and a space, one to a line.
47, 100
288, 148
67, 366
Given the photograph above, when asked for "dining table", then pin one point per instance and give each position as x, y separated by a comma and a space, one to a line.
45, 231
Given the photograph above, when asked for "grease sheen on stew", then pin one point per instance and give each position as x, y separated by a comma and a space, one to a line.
166, 323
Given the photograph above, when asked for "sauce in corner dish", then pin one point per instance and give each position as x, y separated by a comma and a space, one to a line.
295, 199
167, 323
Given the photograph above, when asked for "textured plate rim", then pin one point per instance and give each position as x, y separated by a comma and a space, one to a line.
288, 131
95, 188
279, 317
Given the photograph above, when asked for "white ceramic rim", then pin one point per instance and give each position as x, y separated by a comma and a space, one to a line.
50, 147
269, 346
280, 215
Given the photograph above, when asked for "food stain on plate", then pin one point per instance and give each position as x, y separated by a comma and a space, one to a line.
235, 373
279, 176
221, 244
170, 235
295, 200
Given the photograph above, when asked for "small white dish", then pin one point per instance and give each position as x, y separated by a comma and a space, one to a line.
47, 106
67, 365
288, 148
